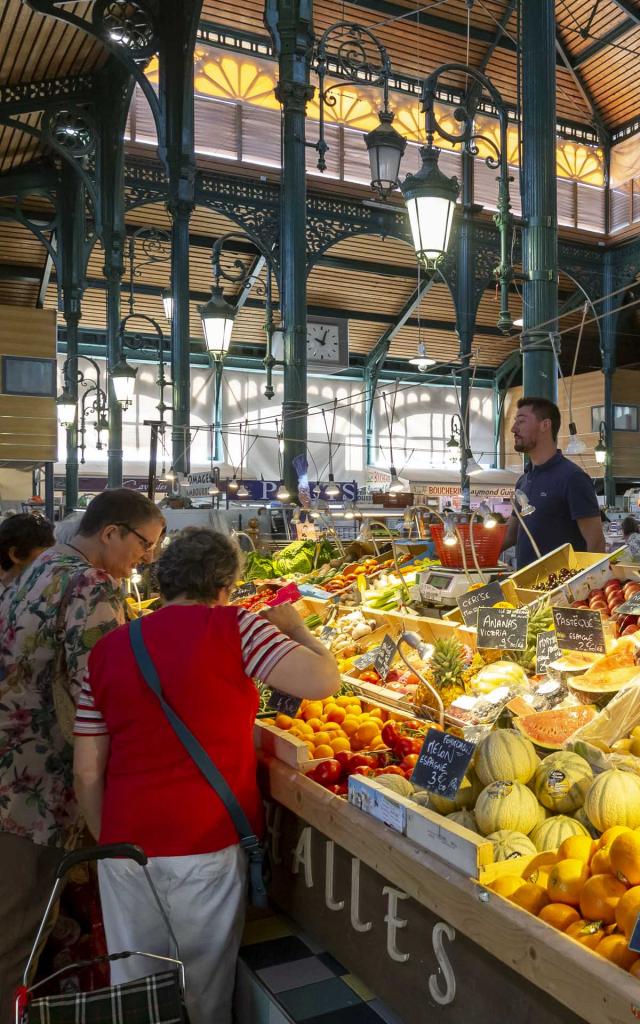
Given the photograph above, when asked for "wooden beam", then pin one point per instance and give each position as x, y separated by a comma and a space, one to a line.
585, 92
630, 9
381, 347
600, 44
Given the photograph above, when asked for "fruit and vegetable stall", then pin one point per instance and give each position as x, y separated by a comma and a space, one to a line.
460, 823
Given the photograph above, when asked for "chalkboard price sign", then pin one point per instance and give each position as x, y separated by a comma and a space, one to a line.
579, 629
384, 656
246, 590
442, 763
547, 649
483, 597
504, 629
366, 660
284, 703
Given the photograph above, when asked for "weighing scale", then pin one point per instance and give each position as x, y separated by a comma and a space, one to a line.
442, 587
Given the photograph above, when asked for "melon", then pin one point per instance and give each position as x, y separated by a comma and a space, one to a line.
506, 805
561, 782
581, 816
508, 845
465, 798
543, 814
465, 818
555, 830
550, 729
503, 756
614, 799
397, 783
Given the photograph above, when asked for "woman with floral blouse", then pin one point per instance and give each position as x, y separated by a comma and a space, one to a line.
39, 815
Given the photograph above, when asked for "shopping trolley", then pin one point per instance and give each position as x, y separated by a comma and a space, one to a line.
155, 999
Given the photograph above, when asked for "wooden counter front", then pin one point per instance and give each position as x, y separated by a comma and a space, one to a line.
437, 941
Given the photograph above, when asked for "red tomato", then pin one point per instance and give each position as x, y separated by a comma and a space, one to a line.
417, 745
327, 772
343, 757
409, 762
390, 735
404, 746
358, 761
391, 769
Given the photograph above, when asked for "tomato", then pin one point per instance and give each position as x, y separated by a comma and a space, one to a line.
342, 789
404, 746
366, 771
370, 676
409, 762
343, 757
390, 735
358, 761
391, 769
327, 772
627, 620
417, 745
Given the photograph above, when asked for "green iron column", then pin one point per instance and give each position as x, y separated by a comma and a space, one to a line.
290, 24
610, 310
540, 252
465, 304
71, 248
178, 24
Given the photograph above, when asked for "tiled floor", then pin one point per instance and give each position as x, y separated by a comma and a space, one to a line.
286, 978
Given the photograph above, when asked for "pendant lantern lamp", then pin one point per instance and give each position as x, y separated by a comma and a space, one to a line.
430, 197
66, 408
386, 148
123, 377
217, 323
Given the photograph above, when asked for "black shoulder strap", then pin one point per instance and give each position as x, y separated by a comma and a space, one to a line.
193, 747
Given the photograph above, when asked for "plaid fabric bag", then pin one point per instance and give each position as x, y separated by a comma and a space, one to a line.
156, 999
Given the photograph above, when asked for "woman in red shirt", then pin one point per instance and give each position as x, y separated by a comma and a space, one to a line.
136, 783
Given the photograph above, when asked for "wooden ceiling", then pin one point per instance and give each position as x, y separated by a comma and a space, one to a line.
597, 78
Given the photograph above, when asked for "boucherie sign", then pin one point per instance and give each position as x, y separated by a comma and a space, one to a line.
477, 491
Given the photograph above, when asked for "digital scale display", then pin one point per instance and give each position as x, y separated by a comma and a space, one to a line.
438, 582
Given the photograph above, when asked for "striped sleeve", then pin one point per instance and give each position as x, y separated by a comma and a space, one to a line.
263, 646
89, 721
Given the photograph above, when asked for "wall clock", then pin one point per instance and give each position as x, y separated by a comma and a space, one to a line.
327, 343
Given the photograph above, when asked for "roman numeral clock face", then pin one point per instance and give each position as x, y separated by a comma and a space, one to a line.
327, 343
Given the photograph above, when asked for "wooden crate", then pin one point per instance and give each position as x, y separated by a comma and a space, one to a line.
592, 571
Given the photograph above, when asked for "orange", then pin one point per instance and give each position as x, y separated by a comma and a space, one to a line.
578, 848
367, 732
612, 833
375, 713
627, 911
350, 725
615, 949
377, 745
625, 857
340, 743
332, 727
336, 714
316, 724
559, 915
345, 701
599, 898
304, 728
566, 879
506, 885
283, 721
321, 737
530, 897
354, 709
588, 933
312, 710
601, 862
324, 750
540, 864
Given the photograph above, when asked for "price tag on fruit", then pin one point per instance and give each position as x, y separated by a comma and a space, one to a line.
246, 590
482, 597
284, 703
503, 629
630, 607
326, 635
579, 629
384, 656
442, 763
547, 650
366, 660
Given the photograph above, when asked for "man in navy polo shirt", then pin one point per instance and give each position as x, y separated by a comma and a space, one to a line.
563, 496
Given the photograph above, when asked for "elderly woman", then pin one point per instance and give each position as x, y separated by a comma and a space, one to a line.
137, 783
60, 605
22, 538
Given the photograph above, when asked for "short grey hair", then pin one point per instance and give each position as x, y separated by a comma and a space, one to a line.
67, 528
198, 564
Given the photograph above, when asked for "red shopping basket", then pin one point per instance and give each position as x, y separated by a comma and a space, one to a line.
487, 543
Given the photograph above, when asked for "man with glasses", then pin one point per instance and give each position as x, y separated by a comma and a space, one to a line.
63, 603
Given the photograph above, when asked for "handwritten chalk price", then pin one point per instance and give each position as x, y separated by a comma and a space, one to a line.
504, 629
284, 703
442, 763
579, 629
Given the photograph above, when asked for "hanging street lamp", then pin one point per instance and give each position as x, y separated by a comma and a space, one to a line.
123, 378
167, 304
430, 198
66, 407
601, 451
421, 359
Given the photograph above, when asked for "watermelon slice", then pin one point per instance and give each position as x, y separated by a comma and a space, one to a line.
549, 730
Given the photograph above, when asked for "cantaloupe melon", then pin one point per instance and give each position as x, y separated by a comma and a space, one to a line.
503, 756
614, 799
465, 818
508, 845
561, 781
506, 805
555, 830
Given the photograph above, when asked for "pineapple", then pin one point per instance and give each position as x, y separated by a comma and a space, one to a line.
445, 673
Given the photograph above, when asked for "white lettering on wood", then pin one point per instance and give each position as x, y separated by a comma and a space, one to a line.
356, 923
302, 855
273, 818
394, 922
330, 901
444, 965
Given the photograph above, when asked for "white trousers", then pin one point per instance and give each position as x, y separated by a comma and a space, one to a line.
204, 897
